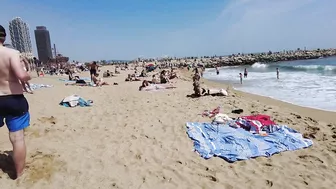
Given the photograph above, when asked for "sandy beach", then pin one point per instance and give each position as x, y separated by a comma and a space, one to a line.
137, 139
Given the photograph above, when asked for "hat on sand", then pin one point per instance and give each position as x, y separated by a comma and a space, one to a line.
2, 31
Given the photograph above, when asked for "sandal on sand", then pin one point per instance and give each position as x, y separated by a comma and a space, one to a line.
212, 113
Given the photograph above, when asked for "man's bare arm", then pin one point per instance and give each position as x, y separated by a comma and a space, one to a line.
17, 68
26, 63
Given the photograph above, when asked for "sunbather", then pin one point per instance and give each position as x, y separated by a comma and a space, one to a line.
108, 74
214, 92
132, 78
98, 81
146, 86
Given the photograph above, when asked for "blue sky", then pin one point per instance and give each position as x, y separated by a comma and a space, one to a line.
108, 29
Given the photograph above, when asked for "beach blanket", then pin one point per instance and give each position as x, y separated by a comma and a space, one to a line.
233, 144
75, 100
39, 86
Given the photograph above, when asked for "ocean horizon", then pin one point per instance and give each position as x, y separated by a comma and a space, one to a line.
307, 83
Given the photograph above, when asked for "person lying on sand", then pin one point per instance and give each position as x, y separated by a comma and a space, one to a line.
79, 82
147, 86
98, 81
132, 78
214, 92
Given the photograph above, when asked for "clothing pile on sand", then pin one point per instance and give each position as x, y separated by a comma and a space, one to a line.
75, 100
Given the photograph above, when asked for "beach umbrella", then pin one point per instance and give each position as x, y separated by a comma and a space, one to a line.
150, 65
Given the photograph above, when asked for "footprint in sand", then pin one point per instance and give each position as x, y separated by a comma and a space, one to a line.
269, 183
39, 167
307, 157
52, 120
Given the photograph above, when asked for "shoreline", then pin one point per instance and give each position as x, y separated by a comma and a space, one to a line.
321, 115
317, 114
231, 86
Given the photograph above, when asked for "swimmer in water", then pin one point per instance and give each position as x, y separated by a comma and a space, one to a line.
217, 70
245, 73
241, 78
277, 72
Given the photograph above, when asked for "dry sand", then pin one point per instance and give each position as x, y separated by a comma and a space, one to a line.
132, 139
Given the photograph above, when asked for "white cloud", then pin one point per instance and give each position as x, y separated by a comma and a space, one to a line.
255, 25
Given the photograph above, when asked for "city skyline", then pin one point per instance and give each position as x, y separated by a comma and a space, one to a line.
20, 36
126, 30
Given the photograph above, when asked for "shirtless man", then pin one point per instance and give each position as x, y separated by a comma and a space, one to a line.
13, 105
93, 69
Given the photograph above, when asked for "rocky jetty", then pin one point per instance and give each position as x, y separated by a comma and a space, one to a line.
249, 59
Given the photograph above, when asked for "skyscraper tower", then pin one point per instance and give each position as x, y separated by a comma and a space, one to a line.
43, 43
20, 37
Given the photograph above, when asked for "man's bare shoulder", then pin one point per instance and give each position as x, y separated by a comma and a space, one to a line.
9, 51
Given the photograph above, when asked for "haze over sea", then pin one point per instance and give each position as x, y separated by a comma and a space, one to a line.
308, 83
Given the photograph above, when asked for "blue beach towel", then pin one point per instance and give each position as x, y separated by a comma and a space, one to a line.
233, 144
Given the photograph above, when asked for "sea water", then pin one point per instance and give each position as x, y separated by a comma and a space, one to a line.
308, 83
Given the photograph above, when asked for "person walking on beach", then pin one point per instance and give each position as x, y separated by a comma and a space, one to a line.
37, 67
93, 69
241, 78
196, 83
277, 72
245, 73
14, 108
25, 65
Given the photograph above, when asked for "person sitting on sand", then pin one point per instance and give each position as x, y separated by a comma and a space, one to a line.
163, 78
107, 74
98, 81
116, 70
144, 84
154, 80
128, 78
172, 75
143, 73
132, 78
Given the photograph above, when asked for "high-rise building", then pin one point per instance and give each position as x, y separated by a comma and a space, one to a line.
43, 43
20, 37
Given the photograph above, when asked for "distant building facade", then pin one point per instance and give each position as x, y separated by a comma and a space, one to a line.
20, 37
43, 44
